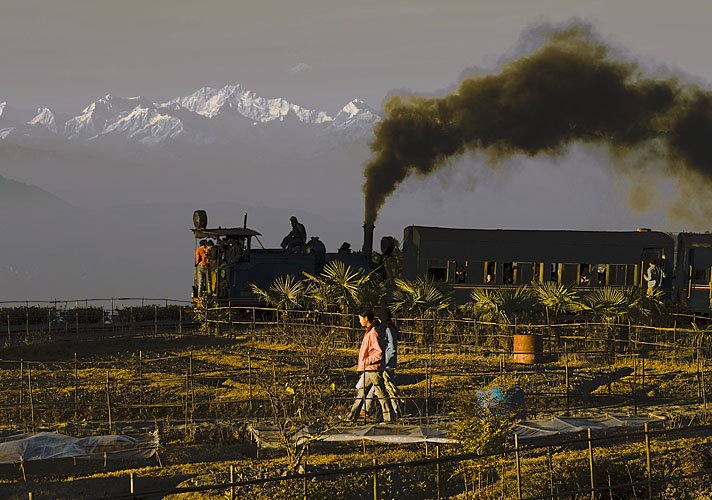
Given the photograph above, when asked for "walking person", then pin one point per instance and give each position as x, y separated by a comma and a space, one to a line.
370, 368
388, 333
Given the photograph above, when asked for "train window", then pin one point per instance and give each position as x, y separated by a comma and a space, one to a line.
527, 272
489, 268
617, 274
700, 275
437, 270
437, 273
456, 272
601, 274
554, 273
569, 274
509, 273
584, 274
475, 272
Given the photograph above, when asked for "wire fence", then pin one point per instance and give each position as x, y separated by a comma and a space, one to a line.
229, 384
519, 471
36, 322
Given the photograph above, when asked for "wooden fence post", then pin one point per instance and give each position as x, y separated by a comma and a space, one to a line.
232, 482
648, 467
249, 378
76, 387
375, 480
590, 465
29, 387
519, 466
22, 384
131, 487
140, 383
437, 472
567, 381
108, 398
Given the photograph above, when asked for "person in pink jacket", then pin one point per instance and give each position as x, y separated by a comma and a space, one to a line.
370, 368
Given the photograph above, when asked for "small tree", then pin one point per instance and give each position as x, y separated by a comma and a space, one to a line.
301, 404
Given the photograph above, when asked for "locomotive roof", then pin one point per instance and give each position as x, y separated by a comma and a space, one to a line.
224, 231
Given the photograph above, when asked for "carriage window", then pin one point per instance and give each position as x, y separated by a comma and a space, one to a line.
437, 273
456, 271
527, 272
437, 270
569, 274
554, 273
601, 274
474, 272
508, 273
584, 274
489, 268
700, 275
617, 274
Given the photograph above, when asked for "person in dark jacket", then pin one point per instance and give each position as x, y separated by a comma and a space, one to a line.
297, 237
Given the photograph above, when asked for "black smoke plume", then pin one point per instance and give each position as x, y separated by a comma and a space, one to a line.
572, 89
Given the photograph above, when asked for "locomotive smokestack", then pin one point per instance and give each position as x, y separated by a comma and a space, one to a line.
367, 240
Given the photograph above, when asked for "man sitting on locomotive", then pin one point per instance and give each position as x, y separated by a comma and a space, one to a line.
297, 237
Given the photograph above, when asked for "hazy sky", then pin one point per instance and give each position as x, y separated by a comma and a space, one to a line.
318, 53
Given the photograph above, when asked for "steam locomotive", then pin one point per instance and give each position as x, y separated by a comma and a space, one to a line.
464, 259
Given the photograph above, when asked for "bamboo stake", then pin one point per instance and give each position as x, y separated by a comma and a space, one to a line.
185, 415
22, 376
32, 403
437, 472
140, 382
590, 465
192, 388
648, 467
249, 378
519, 466
375, 480
232, 482
108, 398
76, 387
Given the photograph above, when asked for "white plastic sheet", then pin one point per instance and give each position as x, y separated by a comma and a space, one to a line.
50, 445
267, 437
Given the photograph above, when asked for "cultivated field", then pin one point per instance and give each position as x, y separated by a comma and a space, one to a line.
202, 388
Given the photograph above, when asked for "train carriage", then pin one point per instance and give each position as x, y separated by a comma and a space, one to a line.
475, 258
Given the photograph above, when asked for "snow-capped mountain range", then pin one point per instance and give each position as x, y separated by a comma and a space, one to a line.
199, 118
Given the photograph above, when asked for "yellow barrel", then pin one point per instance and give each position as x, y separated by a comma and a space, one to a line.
528, 348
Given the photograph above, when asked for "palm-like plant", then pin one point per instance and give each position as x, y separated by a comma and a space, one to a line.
609, 305
284, 294
336, 287
554, 297
507, 305
421, 298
